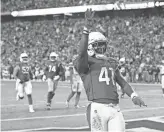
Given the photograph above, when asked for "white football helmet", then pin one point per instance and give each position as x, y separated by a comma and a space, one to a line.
24, 58
122, 61
162, 61
97, 44
53, 56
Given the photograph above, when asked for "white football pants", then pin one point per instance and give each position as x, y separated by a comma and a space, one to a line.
105, 118
162, 81
25, 87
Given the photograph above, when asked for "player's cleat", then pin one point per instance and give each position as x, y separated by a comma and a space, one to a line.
77, 106
17, 97
67, 104
31, 110
48, 107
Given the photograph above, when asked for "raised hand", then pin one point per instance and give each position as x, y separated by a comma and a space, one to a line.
89, 14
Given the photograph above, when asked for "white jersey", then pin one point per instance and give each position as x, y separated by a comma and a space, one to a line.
77, 84
162, 69
76, 76
162, 73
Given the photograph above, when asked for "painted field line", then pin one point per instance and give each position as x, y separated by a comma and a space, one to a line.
144, 118
43, 117
35, 104
81, 114
49, 128
142, 109
68, 82
77, 128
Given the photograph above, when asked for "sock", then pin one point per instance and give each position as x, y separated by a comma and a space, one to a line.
52, 95
30, 99
70, 96
49, 97
77, 98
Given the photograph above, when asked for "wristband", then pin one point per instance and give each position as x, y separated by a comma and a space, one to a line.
85, 31
134, 94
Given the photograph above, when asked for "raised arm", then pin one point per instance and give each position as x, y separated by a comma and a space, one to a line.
82, 60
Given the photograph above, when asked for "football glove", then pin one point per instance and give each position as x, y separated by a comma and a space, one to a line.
89, 15
138, 101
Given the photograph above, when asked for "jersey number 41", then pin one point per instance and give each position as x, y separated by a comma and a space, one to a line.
104, 75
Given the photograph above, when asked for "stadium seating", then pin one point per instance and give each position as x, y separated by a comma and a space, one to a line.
136, 33
11, 5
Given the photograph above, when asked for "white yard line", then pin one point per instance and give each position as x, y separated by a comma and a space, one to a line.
60, 82
81, 114
76, 128
43, 117
49, 128
35, 104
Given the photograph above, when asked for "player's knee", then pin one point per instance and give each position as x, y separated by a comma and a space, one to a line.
21, 96
50, 89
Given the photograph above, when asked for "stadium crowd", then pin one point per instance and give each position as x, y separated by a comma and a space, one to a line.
135, 35
12, 5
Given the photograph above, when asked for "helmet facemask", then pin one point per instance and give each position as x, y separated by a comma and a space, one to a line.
53, 58
25, 59
97, 48
100, 47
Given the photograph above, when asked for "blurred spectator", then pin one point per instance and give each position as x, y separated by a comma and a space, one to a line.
136, 35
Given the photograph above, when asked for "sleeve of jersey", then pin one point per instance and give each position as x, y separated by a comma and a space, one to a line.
81, 62
45, 70
124, 85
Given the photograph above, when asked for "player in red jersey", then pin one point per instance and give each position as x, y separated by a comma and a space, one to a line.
100, 75
23, 75
53, 73
76, 86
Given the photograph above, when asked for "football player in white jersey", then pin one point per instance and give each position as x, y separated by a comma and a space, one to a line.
76, 86
53, 74
123, 71
162, 76
23, 75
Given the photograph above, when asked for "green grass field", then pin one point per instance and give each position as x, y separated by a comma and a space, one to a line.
15, 115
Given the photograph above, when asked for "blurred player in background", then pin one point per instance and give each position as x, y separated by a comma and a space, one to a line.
53, 73
23, 75
123, 71
100, 75
76, 86
162, 76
